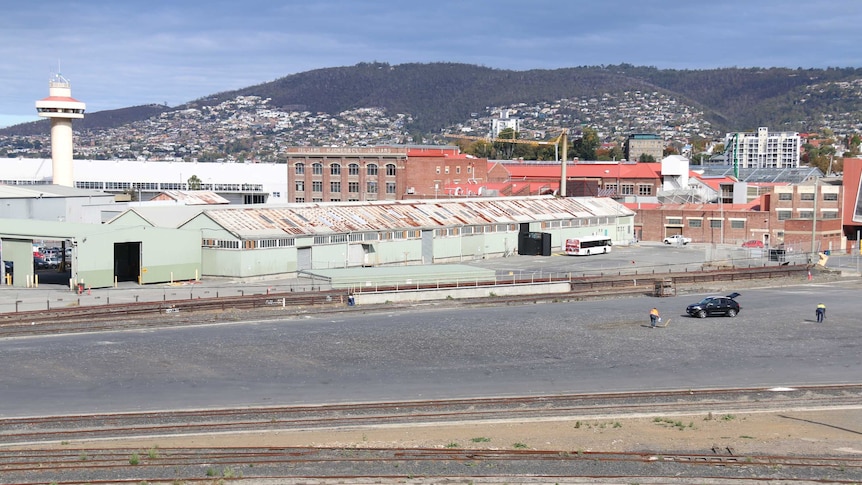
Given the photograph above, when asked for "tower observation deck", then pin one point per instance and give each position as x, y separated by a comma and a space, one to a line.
61, 108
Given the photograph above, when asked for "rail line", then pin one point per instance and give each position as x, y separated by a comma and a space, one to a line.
335, 465
578, 406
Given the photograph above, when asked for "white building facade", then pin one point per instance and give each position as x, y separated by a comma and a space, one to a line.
239, 183
763, 149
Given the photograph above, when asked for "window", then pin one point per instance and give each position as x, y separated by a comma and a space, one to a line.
390, 169
299, 200
353, 187
390, 187
371, 187
644, 189
695, 223
458, 169
438, 170
299, 168
371, 169
335, 169
300, 186
806, 196
353, 169
628, 189
317, 186
785, 196
715, 223
783, 215
675, 221
737, 224
317, 169
832, 196
806, 214
446, 169
830, 214
335, 186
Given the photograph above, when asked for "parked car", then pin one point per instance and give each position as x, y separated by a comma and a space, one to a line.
715, 305
677, 239
52, 262
754, 243
9, 266
40, 263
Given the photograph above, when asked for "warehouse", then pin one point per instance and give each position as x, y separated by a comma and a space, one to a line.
102, 256
244, 242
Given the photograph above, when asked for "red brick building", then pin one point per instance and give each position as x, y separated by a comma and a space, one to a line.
783, 216
329, 174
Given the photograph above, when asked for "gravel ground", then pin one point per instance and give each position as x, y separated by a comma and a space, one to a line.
813, 433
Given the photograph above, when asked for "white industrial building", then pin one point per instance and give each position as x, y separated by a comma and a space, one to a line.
239, 183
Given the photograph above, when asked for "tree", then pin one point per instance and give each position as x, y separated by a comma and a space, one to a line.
194, 183
505, 151
585, 147
646, 158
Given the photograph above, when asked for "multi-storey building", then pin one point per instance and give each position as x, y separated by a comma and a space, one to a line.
644, 145
328, 174
505, 122
784, 217
762, 149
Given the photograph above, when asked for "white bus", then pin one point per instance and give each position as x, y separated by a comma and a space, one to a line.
587, 245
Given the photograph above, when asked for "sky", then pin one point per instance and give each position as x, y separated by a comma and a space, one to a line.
118, 54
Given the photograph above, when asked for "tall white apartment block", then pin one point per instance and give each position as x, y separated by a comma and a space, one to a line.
504, 122
61, 108
763, 149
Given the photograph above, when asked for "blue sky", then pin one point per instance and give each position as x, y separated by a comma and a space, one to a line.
125, 53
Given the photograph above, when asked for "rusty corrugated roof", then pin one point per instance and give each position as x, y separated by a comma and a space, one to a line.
193, 197
346, 217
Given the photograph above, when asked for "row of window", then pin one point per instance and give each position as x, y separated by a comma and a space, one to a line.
352, 169
629, 189
740, 223
830, 196
394, 235
352, 187
152, 186
457, 169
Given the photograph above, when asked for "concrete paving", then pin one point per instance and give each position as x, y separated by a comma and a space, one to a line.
642, 258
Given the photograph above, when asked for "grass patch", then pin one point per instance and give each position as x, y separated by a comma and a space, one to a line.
480, 439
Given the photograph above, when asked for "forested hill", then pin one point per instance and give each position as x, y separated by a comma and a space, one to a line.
438, 95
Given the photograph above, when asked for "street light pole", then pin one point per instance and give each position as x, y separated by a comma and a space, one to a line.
814, 220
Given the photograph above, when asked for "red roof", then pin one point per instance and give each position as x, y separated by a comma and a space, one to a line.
453, 152
66, 99
646, 170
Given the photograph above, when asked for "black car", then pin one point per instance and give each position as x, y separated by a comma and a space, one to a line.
40, 263
715, 305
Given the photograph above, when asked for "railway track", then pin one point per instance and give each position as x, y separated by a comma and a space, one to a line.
400, 465
34, 430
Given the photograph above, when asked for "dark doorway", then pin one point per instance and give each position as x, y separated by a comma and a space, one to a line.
127, 261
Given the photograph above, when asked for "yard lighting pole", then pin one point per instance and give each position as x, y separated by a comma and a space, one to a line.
814, 221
